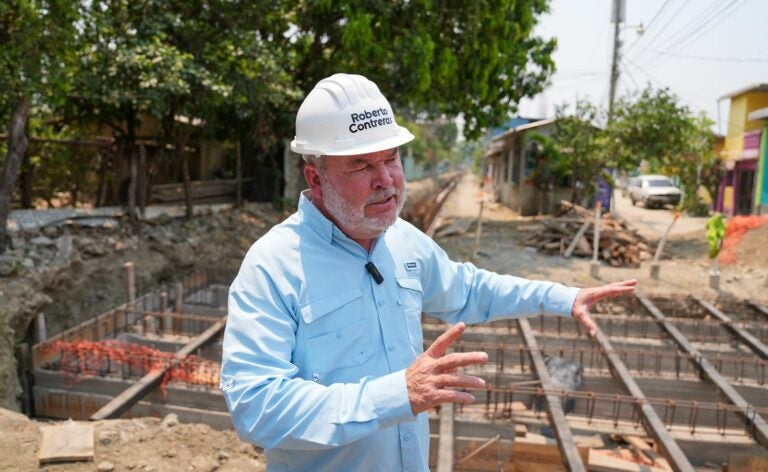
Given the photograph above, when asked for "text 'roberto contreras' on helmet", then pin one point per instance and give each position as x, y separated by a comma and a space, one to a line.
345, 115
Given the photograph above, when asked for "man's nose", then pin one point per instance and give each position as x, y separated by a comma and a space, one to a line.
384, 177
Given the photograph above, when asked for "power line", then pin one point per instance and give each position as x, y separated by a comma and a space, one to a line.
725, 14
663, 28
706, 58
659, 82
720, 16
702, 18
650, 24
629, 73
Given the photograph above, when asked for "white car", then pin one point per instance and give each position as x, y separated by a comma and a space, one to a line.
654, 191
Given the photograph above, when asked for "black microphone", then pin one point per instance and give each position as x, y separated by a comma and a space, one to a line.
371, 268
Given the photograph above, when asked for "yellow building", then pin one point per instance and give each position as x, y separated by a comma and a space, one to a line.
741, 152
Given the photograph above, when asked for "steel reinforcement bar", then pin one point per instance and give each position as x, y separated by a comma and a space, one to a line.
651, 420
757, 346
748, 412
565, 442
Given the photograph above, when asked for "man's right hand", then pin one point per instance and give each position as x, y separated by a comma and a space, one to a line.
433, 376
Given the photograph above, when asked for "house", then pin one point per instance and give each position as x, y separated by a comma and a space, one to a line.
511, 158
761, 179
741, 192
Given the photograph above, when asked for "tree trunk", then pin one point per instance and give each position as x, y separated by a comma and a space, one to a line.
25, 181
238, 176
132, 186
17, 147
142, 182
101, 193
181, 146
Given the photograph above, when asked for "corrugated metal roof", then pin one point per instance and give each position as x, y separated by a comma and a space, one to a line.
517, 129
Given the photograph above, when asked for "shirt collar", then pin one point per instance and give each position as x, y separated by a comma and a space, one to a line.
314, 219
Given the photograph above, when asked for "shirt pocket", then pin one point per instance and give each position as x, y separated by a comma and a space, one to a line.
336, 335
409, 297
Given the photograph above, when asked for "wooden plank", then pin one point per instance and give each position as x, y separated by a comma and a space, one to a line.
752, 419
569, 452
651, 420
576, 239
465, 460
124, 401
605, 461
445, 447
530, 457
747, 463
757, 346
68, 442
760, 308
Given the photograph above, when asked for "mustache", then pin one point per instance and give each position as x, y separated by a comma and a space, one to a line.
381, 195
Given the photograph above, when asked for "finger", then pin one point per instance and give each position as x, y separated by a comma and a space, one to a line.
454, 396
612, 290
459, 381
588, 323
460, 359
444, 341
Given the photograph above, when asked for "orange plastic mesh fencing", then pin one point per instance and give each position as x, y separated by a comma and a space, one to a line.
128, 360
734, 232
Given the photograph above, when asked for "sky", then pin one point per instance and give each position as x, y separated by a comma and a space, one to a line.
699, 49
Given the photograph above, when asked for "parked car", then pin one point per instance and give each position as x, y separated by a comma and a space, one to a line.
654, 191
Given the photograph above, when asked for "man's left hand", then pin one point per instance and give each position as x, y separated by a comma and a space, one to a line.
589, 296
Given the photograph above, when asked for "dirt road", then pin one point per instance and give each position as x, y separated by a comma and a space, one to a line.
652, 223
502, 249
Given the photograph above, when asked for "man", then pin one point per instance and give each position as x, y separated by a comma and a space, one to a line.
323, 364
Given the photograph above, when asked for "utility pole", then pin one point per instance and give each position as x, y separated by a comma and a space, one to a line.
617, 17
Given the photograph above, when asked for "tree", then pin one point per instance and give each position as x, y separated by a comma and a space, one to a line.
655, 130
550, 168
581, 145
208, 63
475, 58
34, 42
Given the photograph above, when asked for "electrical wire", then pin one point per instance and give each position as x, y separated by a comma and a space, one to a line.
721, 15
650, 24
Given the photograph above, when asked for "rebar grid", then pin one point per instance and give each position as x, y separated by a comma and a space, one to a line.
128, 361
654, 363
499, 402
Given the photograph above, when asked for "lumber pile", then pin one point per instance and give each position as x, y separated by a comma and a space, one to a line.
571, 233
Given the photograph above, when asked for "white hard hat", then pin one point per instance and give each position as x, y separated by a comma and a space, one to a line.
345, 115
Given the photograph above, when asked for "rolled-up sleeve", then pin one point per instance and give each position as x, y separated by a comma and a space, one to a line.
462, 292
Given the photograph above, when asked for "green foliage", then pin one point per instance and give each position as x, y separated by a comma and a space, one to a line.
551, 165
715, 234
654, 130
582, 147
475, 58
435, 141
243, 67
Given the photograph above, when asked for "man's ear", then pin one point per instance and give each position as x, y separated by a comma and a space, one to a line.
312, 176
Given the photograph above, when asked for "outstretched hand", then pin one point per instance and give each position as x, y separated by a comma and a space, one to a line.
589, 296
433, 375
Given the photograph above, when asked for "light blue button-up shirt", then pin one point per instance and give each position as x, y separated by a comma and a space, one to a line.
315, 351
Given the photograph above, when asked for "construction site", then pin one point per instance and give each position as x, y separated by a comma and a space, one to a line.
673, 380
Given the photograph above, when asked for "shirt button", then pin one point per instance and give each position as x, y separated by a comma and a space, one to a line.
338, 334
380, 302
406, 437
391, 347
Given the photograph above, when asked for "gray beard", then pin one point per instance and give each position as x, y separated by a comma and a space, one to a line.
353, 218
